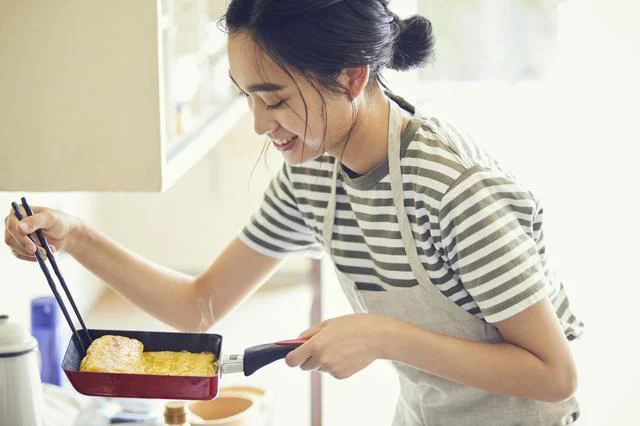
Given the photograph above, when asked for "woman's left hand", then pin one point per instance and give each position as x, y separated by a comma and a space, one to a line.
341, 346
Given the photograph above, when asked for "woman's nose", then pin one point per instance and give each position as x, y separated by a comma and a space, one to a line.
262, 121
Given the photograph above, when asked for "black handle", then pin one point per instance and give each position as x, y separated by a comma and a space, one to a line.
257, 357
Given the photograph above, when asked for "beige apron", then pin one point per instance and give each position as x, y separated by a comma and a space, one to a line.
426, 399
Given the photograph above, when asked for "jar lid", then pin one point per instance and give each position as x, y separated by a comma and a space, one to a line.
175, 413
14, 339
44, 312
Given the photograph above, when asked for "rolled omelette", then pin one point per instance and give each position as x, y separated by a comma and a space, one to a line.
120, 354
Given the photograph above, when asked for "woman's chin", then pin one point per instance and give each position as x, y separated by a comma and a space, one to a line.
296, 156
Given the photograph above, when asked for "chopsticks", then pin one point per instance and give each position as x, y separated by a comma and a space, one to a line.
78, 340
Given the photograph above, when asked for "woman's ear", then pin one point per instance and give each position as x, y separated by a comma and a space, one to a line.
355, 80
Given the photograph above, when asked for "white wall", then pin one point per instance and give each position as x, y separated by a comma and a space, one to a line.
596, 234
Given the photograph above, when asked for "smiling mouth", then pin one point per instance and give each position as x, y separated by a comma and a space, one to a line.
281, 142
285, 144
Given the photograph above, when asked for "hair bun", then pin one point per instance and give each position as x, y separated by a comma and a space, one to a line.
414, 45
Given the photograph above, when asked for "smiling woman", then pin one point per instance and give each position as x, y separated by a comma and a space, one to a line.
439, 250
310, 78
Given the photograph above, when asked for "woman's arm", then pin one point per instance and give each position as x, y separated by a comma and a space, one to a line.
535, 361
185, 302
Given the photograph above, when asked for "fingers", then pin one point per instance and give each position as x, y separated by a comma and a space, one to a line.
23, 256
41, 219
29, 253
16, 232
303, 354
312, 363
18, 240
298, 356
308, 361
309, 358
307, 334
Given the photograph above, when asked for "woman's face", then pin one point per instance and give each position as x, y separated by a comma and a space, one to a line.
278, 104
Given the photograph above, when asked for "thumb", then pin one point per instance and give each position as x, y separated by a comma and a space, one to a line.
307, 334
38, 221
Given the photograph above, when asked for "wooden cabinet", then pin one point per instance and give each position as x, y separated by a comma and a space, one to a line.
114, 95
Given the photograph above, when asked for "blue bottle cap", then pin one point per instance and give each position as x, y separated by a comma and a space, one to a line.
44, 312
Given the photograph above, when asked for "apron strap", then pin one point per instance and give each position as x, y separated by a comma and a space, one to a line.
397, 191
330, 214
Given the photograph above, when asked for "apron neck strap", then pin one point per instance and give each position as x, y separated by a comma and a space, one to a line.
397, 191
394, 142
330, 213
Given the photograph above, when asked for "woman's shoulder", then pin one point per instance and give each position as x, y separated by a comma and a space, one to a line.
439, 136
440, 139
441, 154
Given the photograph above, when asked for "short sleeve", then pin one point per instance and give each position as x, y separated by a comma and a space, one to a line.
278, 228
486, 223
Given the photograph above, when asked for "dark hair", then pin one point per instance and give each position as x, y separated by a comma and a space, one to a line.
320, 38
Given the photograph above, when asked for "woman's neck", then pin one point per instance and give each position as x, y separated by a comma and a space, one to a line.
367, 145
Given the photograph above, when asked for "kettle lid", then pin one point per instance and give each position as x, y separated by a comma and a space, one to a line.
14, 339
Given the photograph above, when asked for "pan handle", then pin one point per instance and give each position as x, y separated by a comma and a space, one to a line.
257, 357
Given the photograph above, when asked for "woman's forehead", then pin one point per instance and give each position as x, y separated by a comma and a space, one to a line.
249, 65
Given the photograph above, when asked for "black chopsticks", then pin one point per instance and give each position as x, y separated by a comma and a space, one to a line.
80, 343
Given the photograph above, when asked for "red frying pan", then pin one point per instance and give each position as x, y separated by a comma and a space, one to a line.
170, 387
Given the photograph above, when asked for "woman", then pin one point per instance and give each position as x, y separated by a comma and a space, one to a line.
439, 250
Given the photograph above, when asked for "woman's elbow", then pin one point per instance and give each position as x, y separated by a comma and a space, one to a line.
196, 325
199, 316
565, 384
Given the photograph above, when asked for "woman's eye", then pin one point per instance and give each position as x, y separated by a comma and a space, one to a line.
278, 105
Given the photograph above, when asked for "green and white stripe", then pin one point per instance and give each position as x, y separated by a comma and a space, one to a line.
478, 232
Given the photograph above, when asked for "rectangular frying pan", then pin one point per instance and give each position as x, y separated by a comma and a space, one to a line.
169, 387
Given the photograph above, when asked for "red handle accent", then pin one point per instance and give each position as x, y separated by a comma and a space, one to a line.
291, 342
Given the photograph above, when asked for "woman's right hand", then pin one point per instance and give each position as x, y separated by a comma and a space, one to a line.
58, 228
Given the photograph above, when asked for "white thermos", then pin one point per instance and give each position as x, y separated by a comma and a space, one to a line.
21, 399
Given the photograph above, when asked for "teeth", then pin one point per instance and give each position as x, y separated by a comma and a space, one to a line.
283, 141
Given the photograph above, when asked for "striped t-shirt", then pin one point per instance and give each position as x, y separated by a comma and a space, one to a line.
478, 231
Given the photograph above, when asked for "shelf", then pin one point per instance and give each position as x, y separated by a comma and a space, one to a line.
88, 103
183, 153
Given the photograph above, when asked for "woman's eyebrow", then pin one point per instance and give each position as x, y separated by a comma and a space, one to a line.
260, 87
